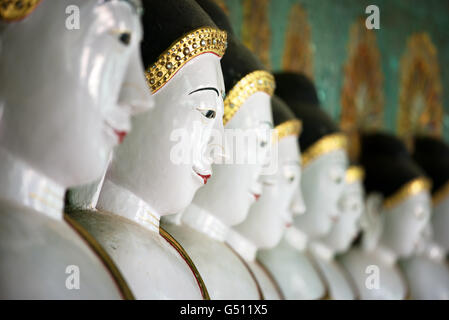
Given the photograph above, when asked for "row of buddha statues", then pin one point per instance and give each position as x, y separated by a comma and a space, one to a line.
93, 110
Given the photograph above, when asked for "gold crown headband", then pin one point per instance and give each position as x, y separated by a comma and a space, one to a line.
197, 42
257, 81
326, 144
291, 127
409, 189
354, 173
13, 10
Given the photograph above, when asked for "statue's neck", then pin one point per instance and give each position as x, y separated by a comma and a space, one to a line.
24, 186
386, 254
245, 248
296, 238
204, 222
120, 201
322, 251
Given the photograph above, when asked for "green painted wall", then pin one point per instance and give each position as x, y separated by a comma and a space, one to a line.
330, 21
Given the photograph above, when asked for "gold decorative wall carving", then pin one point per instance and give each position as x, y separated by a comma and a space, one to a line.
420, 95
298, 48
256, 33
362, 96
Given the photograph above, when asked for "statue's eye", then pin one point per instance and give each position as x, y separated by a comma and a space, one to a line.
125, 38
209, 114
263, 143
290, 179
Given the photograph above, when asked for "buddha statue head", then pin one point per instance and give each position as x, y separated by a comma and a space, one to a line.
391, 173
164, 160
432, 155
351, 204
324, 158
67, 95
248, 125
270, 215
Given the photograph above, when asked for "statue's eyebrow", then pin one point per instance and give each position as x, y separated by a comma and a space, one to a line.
207, 88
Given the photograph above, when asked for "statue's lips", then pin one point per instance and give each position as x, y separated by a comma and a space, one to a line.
256, 196
205, 177
120, 135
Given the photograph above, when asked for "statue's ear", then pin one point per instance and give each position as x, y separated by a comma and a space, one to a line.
371, 221
373, 204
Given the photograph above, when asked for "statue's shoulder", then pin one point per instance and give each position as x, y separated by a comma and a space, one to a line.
185, 256
294, 272
268, 283
225, 275
148, 259
96, 247
39, 253
373, 278
337, 280
427, 278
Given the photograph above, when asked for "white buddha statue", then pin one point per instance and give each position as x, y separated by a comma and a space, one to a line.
339, 239
324, 163
397, 211
164, 160
427, 271
269, 217
226, 199
61, 113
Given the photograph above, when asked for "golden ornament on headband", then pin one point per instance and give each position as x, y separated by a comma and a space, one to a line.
354, 173
195, 43
326, 144
291, 127
257, 81
13, 10
409, 189
440, 194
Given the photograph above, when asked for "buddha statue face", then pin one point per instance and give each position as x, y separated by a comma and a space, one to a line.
322, 184
68, 95
235, 186
164, 160
440, 223
271, 215
404, 223
351, 207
